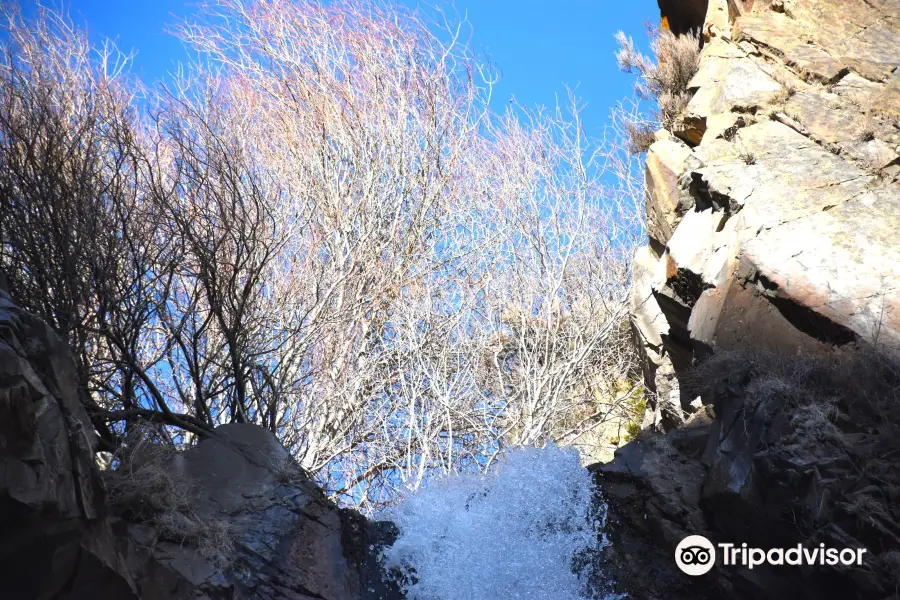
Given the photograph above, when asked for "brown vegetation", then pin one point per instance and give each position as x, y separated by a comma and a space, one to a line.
144, 484
663, 79
837, 417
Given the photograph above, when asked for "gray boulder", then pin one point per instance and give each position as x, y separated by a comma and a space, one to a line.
274, 534
246, 522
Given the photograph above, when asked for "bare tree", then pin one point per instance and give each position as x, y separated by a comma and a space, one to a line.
74, 237
320, 227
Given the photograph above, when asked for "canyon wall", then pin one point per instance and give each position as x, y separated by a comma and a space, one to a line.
767, 308
773, 204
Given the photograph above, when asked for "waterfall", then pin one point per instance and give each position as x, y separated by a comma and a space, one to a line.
530, 528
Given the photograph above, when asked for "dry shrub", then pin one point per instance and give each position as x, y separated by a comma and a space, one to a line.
289, 473
665, 77
867, 136
779, 102
640, 136
867, 509
142, 483
214, 538
748, 157
187, 239
864, 386
144, 486
815, 423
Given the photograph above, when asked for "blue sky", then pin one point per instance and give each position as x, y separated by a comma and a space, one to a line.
539, 45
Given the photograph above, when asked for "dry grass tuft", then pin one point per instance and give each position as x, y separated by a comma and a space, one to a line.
214, 538
289, 473
143, 485
828, 440
640, 136
846, 405
748, 157
779, 102
816, 423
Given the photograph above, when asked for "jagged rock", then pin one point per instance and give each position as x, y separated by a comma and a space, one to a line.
784, 216
793, 43
796, 243
874, 154
54, 541
718, 20
887, 103
855, 89
58, 539
701, 245
764, 464
666, 161
861, 34
738, 315
837, 269
652, 490
721, 126
655, 344
727, 80
645, 311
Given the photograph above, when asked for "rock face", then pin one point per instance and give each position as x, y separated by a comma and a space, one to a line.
279, 538
767, 308
286, 540
788, 451
772, 210
55, 541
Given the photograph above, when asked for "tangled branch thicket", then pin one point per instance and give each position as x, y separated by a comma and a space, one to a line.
318, 226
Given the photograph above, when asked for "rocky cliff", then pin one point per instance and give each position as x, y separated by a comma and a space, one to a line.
772, 209
233, 517
767, 301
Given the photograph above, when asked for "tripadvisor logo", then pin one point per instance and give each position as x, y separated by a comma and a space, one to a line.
696, 555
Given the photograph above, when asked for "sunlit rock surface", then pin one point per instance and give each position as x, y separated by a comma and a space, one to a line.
772, 224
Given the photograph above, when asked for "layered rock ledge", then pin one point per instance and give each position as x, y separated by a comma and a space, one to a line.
772, 208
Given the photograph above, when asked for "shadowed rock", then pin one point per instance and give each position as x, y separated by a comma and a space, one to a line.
682, 16
279, 537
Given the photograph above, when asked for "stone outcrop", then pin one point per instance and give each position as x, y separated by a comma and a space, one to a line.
286, 540
54, 539
766, 307
786, 451
772, 210
279, 537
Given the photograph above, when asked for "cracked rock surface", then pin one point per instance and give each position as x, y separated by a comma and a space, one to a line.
766, 307
773, 208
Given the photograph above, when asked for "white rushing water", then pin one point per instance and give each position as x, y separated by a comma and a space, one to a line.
514, 533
